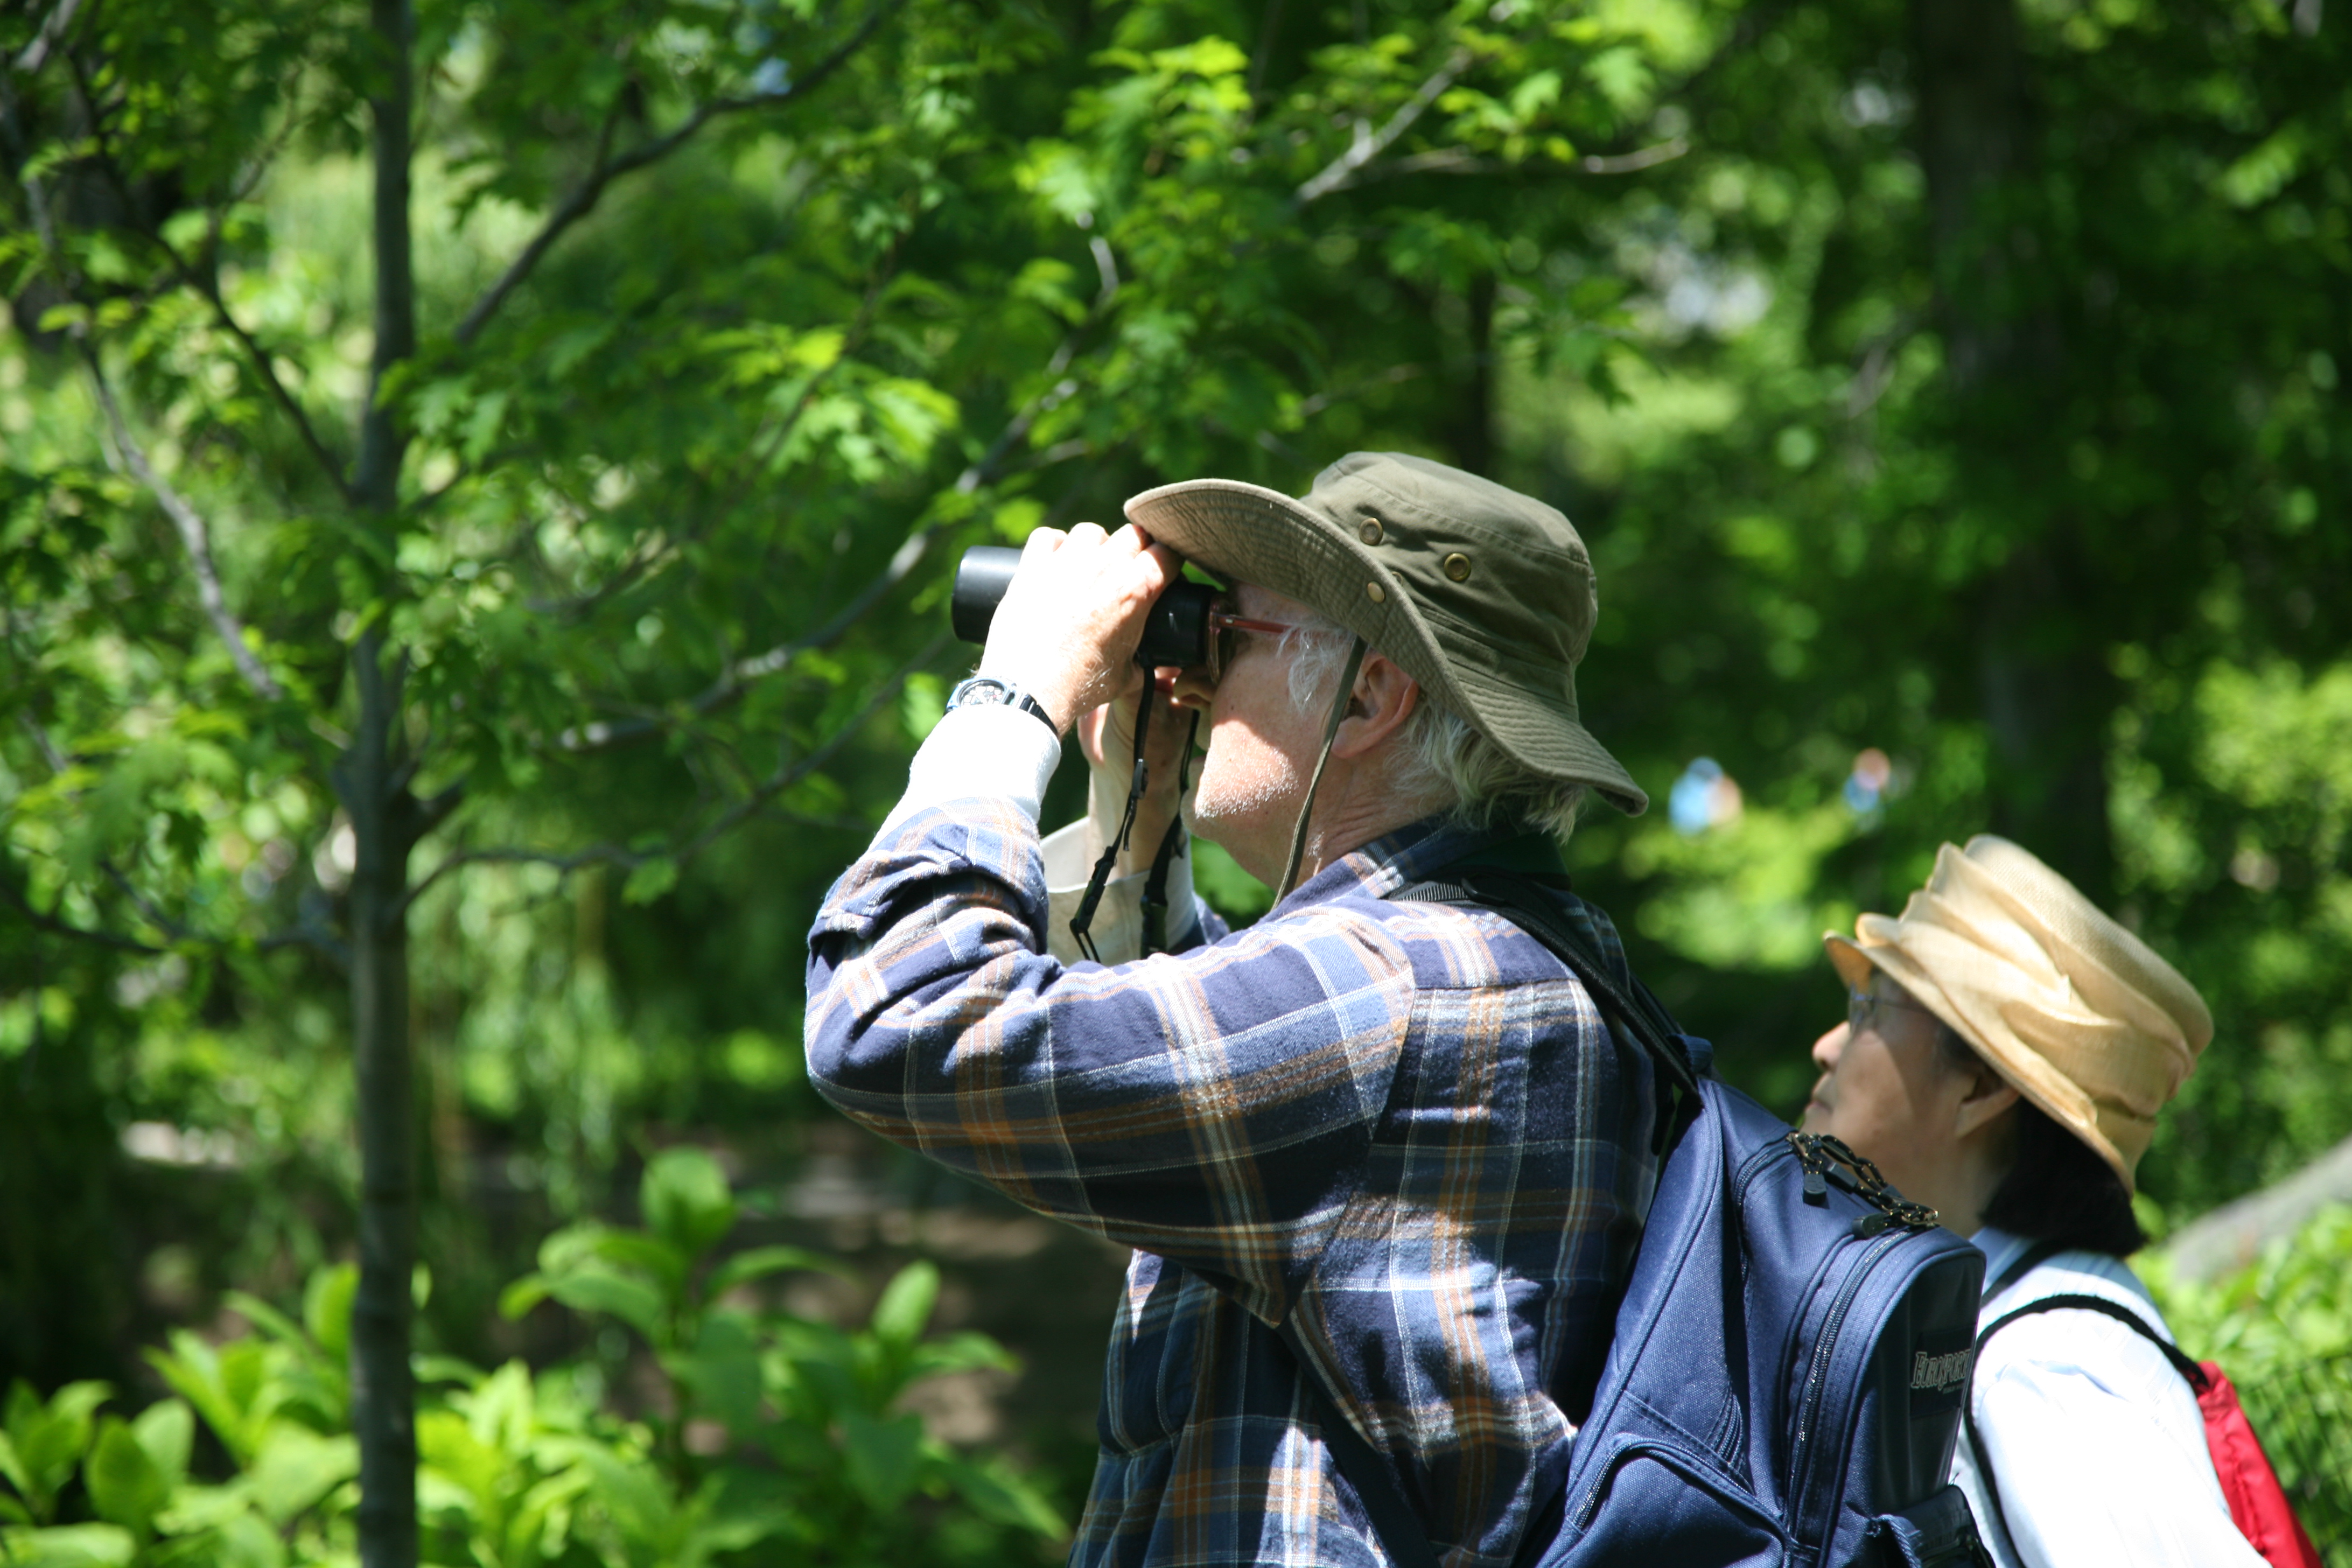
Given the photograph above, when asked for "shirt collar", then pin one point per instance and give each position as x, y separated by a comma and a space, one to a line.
1419, 851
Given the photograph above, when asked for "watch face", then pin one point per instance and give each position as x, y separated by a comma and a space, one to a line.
979, 689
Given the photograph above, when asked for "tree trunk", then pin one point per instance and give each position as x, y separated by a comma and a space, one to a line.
2047, 696
372, 784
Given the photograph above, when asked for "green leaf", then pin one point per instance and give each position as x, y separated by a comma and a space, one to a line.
72, 1546
248, 1541
327, 1309
296, 1468
906, 1304
46, 1442
429, 1369
636, 1249
687, 1201
996, 1491
522, 1295
632, 1302
125, 1484
881, 1454
722, 1371
649, 880
758, 1262
167, 1430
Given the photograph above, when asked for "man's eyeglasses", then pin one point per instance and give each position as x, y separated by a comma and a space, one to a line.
1862, 1008
1225, 639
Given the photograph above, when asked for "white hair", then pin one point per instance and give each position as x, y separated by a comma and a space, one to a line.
1467, 779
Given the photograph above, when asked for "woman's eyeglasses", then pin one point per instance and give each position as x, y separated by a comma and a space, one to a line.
1862, 1008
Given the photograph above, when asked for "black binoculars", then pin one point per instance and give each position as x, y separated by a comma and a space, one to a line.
1178, 632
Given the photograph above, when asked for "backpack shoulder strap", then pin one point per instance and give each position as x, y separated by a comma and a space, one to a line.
2066, 1304
2032, 1258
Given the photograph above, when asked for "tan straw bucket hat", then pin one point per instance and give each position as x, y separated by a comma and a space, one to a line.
1483, 596
2078, 1015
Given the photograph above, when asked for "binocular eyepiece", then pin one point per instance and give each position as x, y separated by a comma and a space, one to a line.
1177, 631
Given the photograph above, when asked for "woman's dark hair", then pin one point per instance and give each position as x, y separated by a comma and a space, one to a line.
2058, 1189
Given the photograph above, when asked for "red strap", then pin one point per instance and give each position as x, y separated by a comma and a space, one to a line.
2258, 1503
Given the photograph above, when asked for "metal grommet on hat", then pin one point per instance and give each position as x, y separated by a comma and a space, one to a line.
1458, 566
1370, 533
1376, 593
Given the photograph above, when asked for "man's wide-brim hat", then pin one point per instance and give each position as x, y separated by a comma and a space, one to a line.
1483, 596
2075, 1013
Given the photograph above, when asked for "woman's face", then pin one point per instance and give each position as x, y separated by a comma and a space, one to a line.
1887, 1093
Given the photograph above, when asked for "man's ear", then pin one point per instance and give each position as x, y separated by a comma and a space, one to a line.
1989, 1099
1384, 698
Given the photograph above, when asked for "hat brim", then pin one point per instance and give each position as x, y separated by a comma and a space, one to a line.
1854, 963
1252, 534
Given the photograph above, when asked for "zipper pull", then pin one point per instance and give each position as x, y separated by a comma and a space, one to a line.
1869, 1224
1817, 1187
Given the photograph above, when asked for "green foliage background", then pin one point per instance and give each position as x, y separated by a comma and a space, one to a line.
2029, 468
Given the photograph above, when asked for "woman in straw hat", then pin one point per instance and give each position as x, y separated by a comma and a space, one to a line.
2005, 1053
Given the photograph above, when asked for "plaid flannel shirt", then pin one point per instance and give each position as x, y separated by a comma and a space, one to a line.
1402, 1124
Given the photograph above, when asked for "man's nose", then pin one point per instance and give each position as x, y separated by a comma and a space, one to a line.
1194, 688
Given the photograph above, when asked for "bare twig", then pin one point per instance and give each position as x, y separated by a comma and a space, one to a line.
56, 927
36, 54
1665, 152
752, 803
1461, 160
1394, 375
591, 190
266, 366
193, 535
1369, 144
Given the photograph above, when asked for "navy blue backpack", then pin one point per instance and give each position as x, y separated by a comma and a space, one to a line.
1790, 1355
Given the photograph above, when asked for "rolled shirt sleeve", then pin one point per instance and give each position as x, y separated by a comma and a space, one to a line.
1203, 1106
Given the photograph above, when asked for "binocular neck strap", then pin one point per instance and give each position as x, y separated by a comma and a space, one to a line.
1137, 783
1331, 732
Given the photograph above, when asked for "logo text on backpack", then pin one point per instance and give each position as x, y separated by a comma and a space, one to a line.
1941, 1373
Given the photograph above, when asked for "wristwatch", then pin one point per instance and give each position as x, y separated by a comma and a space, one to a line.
982, 690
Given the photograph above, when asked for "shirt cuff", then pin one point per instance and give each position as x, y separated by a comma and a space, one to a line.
1118, 928
985, 750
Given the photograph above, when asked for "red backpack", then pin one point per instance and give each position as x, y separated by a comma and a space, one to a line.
2258, 1503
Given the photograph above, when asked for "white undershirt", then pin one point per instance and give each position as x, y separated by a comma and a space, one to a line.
2095, 1439
995, 751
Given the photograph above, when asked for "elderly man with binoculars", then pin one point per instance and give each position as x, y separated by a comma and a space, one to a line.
1382, 1164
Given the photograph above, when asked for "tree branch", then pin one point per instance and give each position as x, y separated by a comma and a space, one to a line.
57, 927
265, 364
36, 54
1461, 160
1341, 171
624, 858
736, 679
591, 190
192, 534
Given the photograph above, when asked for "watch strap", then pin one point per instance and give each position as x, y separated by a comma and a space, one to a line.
992, 690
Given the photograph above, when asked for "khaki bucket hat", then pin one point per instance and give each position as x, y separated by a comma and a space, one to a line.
2073, 1011
1483, 596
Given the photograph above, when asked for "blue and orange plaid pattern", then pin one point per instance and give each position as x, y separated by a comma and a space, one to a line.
1401, 1123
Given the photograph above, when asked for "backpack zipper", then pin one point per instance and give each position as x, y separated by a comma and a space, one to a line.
1800, 1467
